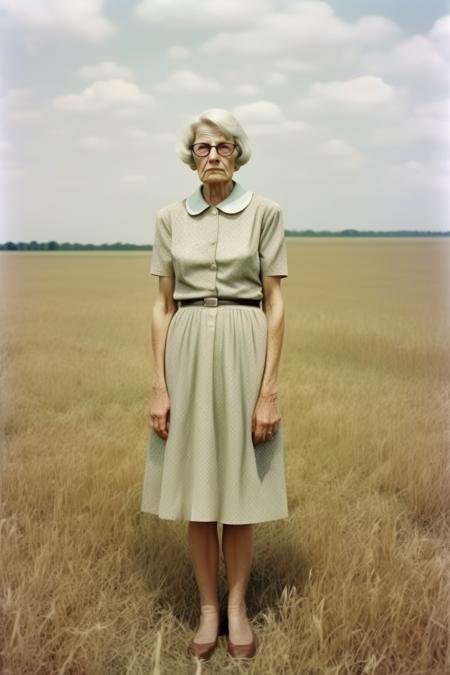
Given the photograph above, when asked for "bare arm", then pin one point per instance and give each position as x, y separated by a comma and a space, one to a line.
163, 310
266, 415
273, 306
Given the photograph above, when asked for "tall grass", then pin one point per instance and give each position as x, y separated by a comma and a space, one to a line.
355, 582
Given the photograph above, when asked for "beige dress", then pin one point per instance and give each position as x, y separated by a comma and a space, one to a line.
208, 468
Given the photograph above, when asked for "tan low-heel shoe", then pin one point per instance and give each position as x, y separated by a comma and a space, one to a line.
202, 650
246, 651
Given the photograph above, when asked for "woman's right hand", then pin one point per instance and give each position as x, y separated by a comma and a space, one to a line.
159, 413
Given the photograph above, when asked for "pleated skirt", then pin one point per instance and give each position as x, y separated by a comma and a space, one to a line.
208, 468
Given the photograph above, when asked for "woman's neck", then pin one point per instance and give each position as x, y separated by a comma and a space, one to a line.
214, 193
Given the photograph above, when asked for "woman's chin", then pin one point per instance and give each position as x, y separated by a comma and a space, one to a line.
213, 177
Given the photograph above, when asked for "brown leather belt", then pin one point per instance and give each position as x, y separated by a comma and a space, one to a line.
213, 301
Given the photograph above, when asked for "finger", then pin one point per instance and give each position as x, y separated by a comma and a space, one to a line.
164, 426
256, 439
259, 432
157, 424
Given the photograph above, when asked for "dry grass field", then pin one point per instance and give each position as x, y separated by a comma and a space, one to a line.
355, 582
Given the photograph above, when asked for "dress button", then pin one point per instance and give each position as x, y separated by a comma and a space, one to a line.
213, 266
214, 211
213, 241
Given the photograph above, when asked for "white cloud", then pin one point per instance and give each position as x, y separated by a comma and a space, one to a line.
376, 99
83, 17
416, 176
309, 28
105, 70
295, 65
440, 35
276, 78
137, 134
262, 118
14, 173
188, 80
16, 96
443, 166
134, 179
178, 52
336, 147
259, 111
14, 102
165, 137
95, 143
373, 30
132, 112
201, 13
141, 136
103, 94
412, 165
363, 91
341, 151
26, 116
416, 61
426, 123
432, 120
248, 89
70, 181
61, 132
437, 111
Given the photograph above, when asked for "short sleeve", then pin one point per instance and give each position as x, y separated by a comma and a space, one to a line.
161, 259
272, 245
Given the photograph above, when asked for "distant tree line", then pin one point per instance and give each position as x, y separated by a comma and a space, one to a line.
367, 233
67, 246
119, 246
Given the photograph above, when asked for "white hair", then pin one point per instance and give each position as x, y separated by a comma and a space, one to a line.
228, 125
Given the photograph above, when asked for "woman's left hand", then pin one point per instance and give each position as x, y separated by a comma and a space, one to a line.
266, 418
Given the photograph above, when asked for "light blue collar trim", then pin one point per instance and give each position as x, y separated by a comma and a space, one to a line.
236, 201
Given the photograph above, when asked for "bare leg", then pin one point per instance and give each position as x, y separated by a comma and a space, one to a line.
237, 547
204, 549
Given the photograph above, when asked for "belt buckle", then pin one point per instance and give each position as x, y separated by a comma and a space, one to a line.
211, 301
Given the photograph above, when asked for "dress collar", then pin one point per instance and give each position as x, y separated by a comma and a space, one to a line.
236, 201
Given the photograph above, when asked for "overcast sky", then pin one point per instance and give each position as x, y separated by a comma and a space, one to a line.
346, 104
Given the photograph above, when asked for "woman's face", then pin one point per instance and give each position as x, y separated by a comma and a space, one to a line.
214, 168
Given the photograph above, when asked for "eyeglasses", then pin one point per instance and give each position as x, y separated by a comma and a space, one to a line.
203, 149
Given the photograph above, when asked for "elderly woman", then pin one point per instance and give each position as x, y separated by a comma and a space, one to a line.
216, 448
